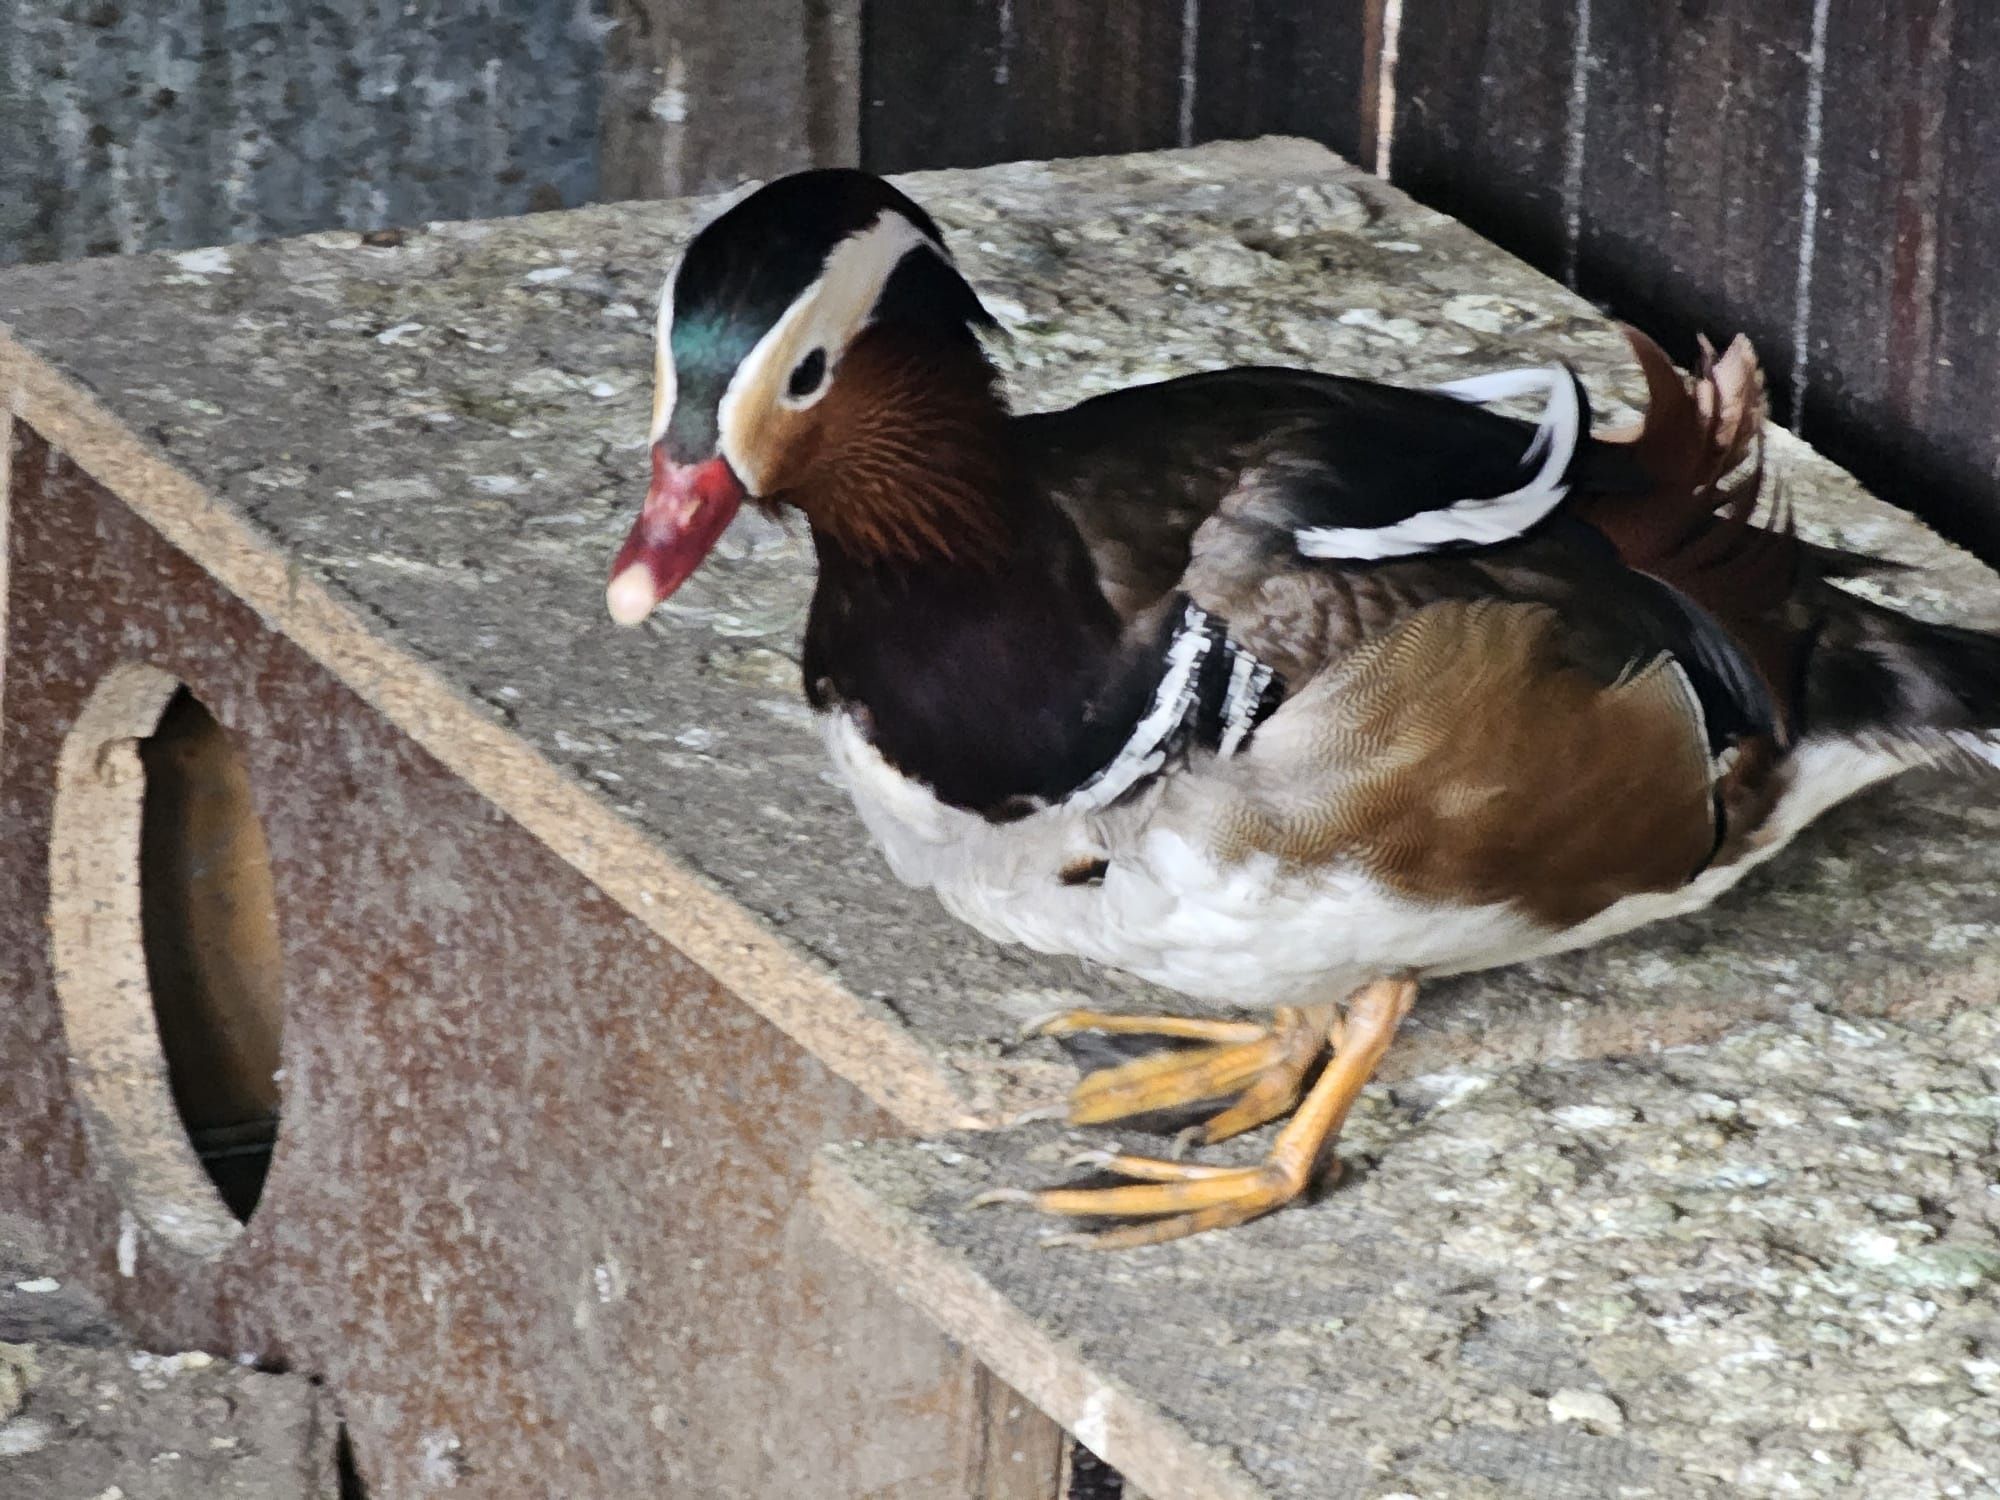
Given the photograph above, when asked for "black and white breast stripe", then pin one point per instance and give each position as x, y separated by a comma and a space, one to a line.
1481, 521
1211, 694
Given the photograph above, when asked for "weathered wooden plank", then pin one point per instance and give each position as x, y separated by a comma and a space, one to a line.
1097, 78
1903, 342
1016, 1453
529, 1141
1482, 112
966, 82
1965, 401
958, 120
1275, 67
933, 84
189, 122
1694, 121
1671, 186
702, 94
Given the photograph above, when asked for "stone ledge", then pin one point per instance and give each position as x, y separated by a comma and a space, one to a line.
83, 1413
111, 1422
416, 460
1761, 1267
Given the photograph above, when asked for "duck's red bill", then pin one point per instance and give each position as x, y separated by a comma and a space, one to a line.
687, 510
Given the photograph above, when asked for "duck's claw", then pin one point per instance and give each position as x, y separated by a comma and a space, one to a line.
995, 1196
1174, 1199
1263, 1066
1179, 1028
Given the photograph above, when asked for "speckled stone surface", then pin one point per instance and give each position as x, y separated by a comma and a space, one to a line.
449, 434
1761, 1267
84, 1415
116, 1424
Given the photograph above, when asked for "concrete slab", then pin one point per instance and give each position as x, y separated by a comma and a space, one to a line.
84, 1413
1760, 1267
97, 1422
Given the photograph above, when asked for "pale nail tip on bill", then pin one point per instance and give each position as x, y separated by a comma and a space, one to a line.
630, 597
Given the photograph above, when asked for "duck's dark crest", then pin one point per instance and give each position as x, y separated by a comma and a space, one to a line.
755, 258
744, 269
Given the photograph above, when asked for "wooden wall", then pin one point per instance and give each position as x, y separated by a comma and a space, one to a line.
967, 82
700, 94
148, 124
1823, 174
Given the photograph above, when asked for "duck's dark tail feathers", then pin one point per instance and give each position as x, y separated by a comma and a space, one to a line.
1841, 666
1877, 676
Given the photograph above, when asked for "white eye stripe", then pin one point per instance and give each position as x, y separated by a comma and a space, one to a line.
826, 315
665, 384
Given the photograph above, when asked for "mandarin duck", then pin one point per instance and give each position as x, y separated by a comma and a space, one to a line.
1279, 689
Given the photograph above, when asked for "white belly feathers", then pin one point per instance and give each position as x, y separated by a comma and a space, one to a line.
1245, 933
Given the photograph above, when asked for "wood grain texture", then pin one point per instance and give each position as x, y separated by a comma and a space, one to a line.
1660, 158
1671, 188
1017, 1453
967, 82
1904, 334
933, 81
1482, 116
1146, 1444
178, 123
1693, 154
526, 1140
702, 94
1276, 67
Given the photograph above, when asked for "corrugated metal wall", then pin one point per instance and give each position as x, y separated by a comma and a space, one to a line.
130, 124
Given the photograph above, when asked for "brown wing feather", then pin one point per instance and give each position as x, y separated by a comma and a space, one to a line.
1463, 757
903, 458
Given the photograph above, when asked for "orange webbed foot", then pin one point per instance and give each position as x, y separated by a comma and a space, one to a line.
1173, 1199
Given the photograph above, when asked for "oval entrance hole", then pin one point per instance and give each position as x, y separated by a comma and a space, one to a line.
211, 938
164, 930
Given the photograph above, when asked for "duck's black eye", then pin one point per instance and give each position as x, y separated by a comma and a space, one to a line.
806, 375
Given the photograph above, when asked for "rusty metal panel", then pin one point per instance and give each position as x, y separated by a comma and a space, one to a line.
535, 1207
